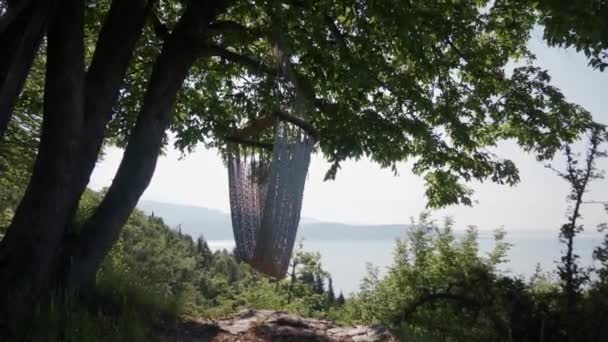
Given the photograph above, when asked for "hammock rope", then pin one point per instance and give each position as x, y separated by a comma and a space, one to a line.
266, 193
266, 200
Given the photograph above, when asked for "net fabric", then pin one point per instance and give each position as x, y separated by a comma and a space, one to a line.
248, 183
266, 200
266, 197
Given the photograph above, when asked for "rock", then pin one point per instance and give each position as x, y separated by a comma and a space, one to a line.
275, 326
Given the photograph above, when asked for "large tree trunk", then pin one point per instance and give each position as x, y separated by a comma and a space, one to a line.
113, 53
114, 50
102, 230
19, 41
37, 227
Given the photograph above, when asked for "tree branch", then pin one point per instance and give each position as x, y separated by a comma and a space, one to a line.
453, 46
258, 125
303, 86
233, 27
304, 125
20, 38
250, 143
171, 68
34, 235
160, 29
250, 63
337, 34
262, 69
114, 49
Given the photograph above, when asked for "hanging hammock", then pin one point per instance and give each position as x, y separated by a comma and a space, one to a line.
266, 192
266, 199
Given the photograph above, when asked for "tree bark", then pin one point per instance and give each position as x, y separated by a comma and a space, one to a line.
122, 28
37, 227
13, 10
19, 41
102, 230
113, 53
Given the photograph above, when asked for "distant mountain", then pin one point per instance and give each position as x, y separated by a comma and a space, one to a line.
194, 221
215, 225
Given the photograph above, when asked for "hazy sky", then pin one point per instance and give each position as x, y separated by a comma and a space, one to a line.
363, 193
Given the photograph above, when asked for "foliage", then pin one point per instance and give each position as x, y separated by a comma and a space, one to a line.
440, 288
426, 81
580, 24
435, 276
60, 320
19, 145
579, 175
173, 266
154, 274
423, 80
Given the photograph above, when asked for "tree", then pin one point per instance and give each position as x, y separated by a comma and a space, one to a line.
579, 24
331, 296
296, 260
22, 29
600, 253
340, 301
202, 249
441, 288
578, 177
424, 81
319, 284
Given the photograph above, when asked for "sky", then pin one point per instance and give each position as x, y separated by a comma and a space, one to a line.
363, 193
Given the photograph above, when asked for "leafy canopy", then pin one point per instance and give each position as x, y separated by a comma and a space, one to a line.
427, 81
579, 24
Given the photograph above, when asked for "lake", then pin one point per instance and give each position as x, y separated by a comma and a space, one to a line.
345, 248
346, 259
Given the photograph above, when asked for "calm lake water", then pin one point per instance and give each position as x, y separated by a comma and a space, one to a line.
346, 259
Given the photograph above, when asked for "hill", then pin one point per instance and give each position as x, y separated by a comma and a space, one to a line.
215, 225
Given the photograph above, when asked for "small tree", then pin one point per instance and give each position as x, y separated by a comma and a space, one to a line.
305, 269
331, 296
319, 285
600, 254
295, 262
340, 301
578, 177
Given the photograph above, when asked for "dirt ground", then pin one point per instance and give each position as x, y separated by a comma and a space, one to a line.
266, 325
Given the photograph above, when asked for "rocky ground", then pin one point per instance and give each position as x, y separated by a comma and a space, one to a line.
266, 325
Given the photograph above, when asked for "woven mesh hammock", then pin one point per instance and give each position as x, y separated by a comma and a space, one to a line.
266, 193
266, 200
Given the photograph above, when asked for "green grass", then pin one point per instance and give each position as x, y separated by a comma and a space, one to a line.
119, 310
